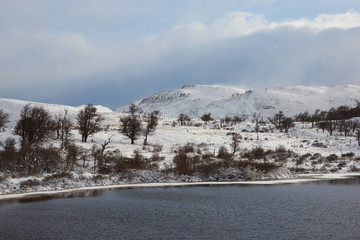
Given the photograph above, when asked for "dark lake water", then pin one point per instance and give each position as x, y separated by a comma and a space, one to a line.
318, 210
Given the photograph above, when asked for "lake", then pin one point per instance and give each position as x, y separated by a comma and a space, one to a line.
315, 210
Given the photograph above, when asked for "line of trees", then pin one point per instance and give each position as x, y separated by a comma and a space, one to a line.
339, 119
36, 129
281, 122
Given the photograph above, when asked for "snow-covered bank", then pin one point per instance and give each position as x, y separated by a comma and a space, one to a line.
238, 148
301, 178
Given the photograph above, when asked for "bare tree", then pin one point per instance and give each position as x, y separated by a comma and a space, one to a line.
256, 119
287, 123
48, 158
89, 122
9, 156
131, 124
63, 128
34, 126
277, 120
183, 118
206, 118
226, 120
4, 119
72, 155
151, 122
101, 161
235, 140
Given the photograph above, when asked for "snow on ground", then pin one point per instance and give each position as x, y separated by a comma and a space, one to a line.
300, 179
208, 138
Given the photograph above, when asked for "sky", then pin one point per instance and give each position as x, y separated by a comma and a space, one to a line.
114, 52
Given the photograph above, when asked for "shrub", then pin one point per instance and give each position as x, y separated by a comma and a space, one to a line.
99, 177
184, 165
264, 166
353, 168
349, 154
223, 153
155, 157
157, 148
315, 156
280, 149
206, 156
341, 164
332, 157
59, 175
255, 153
30, 183
188, 148
297, 169
104, 169
206, 169
302, 158
319, 144
281, 156
122, 164
2, 178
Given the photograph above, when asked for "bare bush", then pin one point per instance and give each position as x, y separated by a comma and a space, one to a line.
57, 176
123, 164
348, 155
183, 164
261, 166
29, 183
223, 153
255, 153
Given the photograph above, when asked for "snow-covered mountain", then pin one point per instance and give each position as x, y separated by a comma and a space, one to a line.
190, 99
195, 100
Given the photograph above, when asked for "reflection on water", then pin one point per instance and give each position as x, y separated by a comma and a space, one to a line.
73, 194
344, 181
44, 197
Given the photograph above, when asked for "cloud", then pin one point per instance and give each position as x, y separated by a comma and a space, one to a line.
344, 21
240, 48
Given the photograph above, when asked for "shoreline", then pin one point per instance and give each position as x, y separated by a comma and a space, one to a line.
300, 178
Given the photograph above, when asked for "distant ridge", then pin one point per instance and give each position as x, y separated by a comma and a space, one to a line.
195, 100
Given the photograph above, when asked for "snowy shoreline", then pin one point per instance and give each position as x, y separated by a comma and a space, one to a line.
300, 178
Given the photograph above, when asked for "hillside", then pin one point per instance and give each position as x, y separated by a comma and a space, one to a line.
195, 100
13, 107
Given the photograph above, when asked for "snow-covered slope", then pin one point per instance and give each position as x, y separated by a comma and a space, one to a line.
193, 100
196, 100
13, 107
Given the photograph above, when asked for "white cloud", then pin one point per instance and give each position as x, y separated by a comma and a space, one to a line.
344, 21
238, 47
237, 24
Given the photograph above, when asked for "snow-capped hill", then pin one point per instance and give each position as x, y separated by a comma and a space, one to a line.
14, 107
220, 101
189, 99
99, 108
